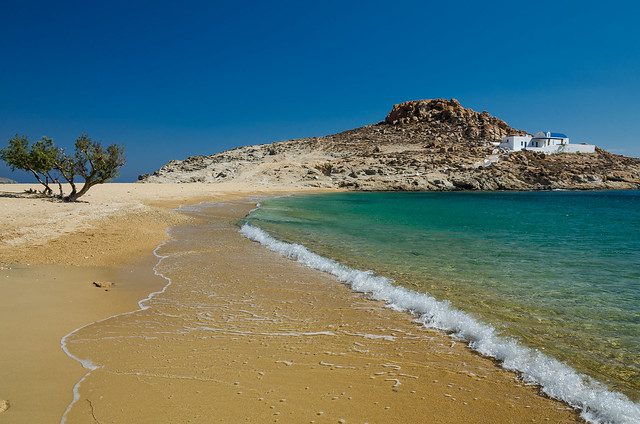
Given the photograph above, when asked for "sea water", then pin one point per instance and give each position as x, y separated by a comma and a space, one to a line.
556, 273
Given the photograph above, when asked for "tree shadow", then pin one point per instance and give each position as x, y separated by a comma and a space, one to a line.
23, 194
29, 194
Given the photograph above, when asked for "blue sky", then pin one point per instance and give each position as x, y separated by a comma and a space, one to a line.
169, 80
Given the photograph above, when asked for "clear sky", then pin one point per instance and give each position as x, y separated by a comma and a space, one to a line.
173, 79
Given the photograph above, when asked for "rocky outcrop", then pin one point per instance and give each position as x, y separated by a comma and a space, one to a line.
451, 114
6, 181
421, 145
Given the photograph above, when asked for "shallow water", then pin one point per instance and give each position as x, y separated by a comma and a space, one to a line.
559, 271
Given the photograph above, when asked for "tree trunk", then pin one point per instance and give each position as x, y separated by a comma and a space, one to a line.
47, 190
57, 181
60, 188
75, 195
73, 187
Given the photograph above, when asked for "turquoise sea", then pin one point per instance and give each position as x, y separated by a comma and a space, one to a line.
558, 272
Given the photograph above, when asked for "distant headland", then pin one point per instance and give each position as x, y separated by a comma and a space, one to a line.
422, 145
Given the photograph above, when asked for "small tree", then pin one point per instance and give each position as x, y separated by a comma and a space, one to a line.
48, 163
92, 162
39, 158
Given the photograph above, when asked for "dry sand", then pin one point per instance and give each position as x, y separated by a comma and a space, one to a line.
35, 222
242, 335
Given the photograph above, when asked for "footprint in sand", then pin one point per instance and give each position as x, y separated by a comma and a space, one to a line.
4, 405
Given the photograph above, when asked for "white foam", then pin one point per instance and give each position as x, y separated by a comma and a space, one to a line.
556, 379
87, 363
372, 336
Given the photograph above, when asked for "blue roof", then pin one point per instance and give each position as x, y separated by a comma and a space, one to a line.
558, 135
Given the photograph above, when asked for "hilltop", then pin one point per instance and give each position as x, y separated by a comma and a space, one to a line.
421, 145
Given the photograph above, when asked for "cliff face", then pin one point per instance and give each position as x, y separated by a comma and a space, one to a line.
421, 145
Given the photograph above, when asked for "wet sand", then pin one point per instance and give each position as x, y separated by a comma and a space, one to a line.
244, 335
50, 253
46, 291
38, 306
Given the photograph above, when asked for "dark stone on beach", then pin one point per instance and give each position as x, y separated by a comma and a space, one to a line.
104, 285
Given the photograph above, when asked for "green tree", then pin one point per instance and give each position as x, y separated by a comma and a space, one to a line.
91, 162
39, 158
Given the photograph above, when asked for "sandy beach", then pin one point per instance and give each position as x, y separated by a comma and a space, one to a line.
240, 335
320, 212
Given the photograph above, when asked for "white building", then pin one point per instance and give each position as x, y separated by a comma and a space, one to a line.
515, 142
546, 142
545, 139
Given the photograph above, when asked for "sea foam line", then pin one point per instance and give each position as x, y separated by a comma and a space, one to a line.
557, 380
142, 305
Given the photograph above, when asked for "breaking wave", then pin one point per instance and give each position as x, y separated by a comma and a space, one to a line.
557, 380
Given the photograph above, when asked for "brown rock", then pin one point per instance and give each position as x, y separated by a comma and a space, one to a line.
104, 284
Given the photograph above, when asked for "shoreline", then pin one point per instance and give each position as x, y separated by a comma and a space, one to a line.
220, 197
105, 387
86, 363
60, 249
40, 304
359, 230
528, 364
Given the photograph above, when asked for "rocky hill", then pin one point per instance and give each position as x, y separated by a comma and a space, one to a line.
6, 181
421, 145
